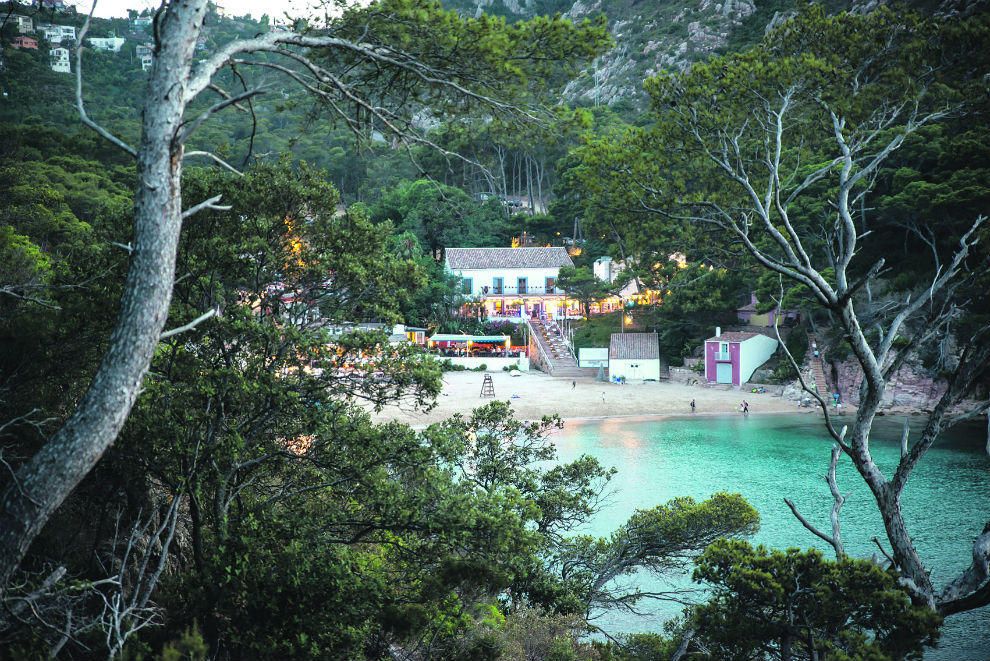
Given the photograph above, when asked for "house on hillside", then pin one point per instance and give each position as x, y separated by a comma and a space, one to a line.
110, 44
731, 358
29, 43
512, 283
23, 24
59, 60
145, 55
56, 34
748, 315
633, 356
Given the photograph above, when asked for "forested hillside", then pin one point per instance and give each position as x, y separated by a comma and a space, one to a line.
195, 462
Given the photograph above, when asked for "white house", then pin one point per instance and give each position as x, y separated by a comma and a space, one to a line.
513, 283
111, 44
56, 34
59, 60
634, 356
607, 269
732, 358
145, 54
24, 24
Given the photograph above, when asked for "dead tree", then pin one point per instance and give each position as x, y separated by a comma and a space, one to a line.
762, 222
351, 68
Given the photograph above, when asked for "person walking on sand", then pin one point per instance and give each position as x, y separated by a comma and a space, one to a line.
603, 398
692, 406
573, 385
745, 407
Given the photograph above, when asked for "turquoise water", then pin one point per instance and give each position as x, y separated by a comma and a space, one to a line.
768, 458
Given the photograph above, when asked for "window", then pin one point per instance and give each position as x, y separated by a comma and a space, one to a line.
468, 284
523, 286
497, 286
723, 352
551, 284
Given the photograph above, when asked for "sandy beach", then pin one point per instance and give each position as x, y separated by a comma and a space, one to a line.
535, 394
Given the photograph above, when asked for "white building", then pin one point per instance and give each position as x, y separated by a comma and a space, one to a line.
59, 61
111, 44
606, 269
56, 34
634, 356
24, 24
145, 55
512, 283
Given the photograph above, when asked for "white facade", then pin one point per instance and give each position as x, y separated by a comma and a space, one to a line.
60, 62
754, 352
512, 284
146, 62
634, 357
112, 44
24, 24
634, 369
491, 364
56, 34
484, 282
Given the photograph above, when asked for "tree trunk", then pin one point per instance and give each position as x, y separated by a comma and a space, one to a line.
41, 484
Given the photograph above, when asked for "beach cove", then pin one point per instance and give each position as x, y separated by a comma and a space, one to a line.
535, 394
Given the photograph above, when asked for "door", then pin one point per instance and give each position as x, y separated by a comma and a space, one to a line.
723, 373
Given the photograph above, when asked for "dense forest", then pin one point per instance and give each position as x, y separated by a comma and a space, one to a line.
192, 464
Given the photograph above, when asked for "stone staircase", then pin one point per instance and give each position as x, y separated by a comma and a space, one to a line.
551, 343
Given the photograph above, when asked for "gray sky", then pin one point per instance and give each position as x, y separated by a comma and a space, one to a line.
112, 8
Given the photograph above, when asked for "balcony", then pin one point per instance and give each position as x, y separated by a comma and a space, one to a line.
529, 290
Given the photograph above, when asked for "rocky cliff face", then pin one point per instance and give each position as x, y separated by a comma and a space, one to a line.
910, 386
655, 35
650, 35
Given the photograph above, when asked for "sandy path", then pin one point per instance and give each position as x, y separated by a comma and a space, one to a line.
539, 395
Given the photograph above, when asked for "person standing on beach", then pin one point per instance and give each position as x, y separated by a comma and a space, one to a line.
603, 398
745, 407
692, 406
573, 385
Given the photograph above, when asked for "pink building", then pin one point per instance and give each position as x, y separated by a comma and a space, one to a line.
732, 357
25, 42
